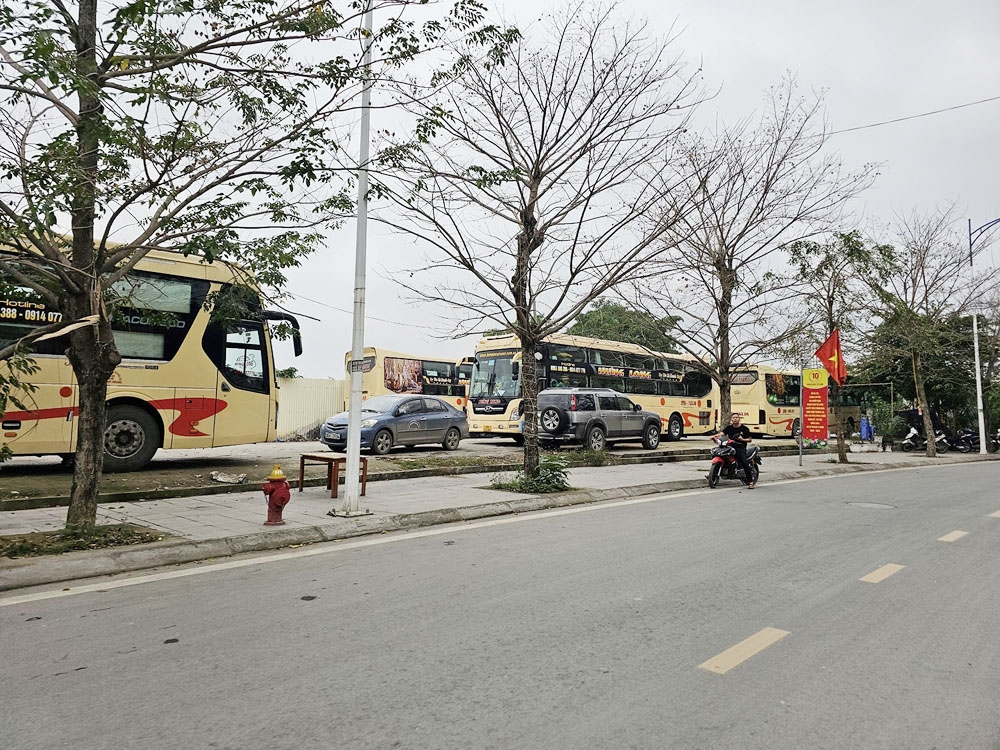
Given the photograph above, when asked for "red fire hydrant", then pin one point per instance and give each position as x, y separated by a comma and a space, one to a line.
278, 493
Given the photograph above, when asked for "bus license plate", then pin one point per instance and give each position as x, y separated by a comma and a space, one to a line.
487, 428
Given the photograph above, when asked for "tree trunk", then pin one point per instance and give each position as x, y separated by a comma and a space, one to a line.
94, 357
529, 400
918, 384
92, 349
725, 402
838, 420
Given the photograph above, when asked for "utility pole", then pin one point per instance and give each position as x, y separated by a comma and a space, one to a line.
352, 489
975, 234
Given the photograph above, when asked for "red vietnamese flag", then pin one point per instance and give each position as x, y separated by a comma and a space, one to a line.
833, 359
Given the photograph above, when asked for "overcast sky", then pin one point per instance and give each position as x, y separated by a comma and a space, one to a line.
877, 60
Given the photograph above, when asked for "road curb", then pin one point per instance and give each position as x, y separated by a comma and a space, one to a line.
24, 572
138, 496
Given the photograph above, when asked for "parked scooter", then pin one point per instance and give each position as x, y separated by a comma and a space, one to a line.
725, 466
966, 440
914, 439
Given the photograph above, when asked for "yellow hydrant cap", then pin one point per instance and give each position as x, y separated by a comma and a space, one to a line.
276, 473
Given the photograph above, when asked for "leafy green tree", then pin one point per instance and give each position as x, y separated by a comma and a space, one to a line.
832, 274
210, 128
610, 320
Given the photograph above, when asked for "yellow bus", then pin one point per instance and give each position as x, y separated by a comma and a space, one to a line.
668, 384
391, 372
184, 381
767, 400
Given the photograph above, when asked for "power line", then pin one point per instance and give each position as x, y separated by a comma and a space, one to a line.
914, 117
350, 312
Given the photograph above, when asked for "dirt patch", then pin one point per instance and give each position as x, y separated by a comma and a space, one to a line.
67, 540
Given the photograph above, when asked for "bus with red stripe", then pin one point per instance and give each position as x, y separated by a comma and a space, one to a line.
185, 381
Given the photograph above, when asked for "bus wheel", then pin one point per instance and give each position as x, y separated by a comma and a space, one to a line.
675, 428
796, 428
130, 439
382, 442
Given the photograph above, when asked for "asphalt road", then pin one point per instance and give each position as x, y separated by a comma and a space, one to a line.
609, 626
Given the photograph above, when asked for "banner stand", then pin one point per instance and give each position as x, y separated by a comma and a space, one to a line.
802, 415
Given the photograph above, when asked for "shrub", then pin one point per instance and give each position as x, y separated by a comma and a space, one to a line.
551, 477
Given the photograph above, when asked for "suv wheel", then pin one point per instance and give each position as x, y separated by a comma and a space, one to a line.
596, 439
651, 436
554, 420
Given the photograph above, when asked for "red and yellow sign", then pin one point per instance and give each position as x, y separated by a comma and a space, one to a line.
814, 405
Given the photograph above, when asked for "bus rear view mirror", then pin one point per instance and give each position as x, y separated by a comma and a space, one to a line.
515, 370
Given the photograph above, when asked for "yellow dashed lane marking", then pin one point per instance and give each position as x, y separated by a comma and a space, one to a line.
953, 536
733, 657
877, 576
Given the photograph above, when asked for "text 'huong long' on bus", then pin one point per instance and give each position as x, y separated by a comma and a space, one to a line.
685, 398
184, 381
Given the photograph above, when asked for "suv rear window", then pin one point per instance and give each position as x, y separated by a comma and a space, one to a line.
554, 399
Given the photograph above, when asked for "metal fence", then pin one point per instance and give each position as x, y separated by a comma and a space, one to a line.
305, 403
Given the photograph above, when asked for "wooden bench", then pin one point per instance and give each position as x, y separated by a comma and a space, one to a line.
333, 463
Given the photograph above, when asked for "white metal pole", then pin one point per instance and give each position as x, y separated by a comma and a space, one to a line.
352, 485
979, 385
802, 407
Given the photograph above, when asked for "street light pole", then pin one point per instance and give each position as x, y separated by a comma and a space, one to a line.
975, 234
352, 495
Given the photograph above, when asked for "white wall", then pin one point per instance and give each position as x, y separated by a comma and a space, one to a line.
305, 403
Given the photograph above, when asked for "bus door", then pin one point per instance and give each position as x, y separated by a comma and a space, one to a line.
48, 420
245, 407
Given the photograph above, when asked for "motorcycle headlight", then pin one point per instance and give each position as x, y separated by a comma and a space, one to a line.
368, 423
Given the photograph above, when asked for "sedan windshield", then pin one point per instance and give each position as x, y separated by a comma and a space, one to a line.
380, 404
492, 376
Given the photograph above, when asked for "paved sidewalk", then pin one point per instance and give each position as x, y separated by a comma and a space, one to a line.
218, 525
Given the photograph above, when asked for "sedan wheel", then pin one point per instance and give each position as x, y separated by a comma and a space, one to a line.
452, 439
382, 442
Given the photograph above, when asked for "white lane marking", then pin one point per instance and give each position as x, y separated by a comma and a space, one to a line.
324, 548
995, 515
733, 656
877, 576
951, 537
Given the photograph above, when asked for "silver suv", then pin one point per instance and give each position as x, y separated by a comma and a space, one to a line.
594, 417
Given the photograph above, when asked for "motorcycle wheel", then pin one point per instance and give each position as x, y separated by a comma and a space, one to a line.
943, 447
907, 447
714, 474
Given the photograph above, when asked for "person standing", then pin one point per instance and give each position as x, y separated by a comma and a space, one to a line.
740, 435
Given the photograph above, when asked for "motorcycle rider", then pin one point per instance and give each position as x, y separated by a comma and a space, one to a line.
740, 435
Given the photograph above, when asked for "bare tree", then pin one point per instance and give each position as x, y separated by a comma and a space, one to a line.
929, 285
761, 186
536, 178
206, 128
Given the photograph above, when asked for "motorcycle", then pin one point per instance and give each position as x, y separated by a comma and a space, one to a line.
914, 439
724, 465
966, 440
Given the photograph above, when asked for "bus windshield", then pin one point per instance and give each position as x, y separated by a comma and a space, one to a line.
492, 376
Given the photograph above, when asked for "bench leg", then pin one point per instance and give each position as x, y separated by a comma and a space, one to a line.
334, 482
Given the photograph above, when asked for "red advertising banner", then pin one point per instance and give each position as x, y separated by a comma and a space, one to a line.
815, 405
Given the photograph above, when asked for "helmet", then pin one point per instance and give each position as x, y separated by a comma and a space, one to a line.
276, 473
